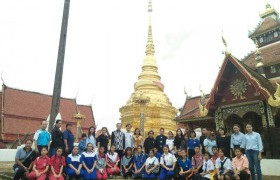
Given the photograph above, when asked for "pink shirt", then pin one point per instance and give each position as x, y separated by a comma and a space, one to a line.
241, 163
197, 160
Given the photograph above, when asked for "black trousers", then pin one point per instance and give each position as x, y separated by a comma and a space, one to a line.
19, 172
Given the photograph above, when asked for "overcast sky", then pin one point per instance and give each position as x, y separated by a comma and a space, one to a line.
106, 46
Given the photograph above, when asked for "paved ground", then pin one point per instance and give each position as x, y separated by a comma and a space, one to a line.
6, 172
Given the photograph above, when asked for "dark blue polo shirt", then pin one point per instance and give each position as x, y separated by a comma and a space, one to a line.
70, 139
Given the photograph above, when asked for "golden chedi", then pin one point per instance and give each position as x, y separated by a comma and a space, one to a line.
148, 107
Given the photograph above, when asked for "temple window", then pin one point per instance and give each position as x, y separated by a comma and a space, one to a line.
261, 40
269, 37
275, 34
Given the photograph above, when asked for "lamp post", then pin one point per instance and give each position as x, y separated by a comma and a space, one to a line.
78, 117
142, 100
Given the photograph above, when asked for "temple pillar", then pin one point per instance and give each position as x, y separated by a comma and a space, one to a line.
272, 133
266, 139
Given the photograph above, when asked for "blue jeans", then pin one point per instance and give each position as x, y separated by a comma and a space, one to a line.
165, 174
254, 163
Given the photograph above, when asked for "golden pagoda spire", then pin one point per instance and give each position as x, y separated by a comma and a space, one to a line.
150, 48
268, 10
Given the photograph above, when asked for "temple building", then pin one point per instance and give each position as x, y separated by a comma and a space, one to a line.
245, 91
23, 111
149, 107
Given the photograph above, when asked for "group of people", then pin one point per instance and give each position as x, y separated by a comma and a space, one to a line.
126, 153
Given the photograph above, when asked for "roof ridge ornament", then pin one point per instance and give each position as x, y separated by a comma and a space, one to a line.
268, 10
226, 50
275, 99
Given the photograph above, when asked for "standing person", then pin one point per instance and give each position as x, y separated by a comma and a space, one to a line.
184, 144
192, 142
160, 140
137, 138
197, 161
91, 137
167, 162
128, 137
101, 164
240, 165
127, 163
209, 142
74, 164
150, 142
207, 168
57, 138
179, 138
237, 139
118, 139
68, 138
223, 141
40, 166
112, 160
42, 138
204, 134
152, 166
170, 142
57, 165
82, 144
89, 163
223, 167
185, 165
254, 148
23, 161
139, 163
103, 139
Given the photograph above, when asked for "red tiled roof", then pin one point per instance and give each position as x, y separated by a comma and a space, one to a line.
266, 25
24, 111
270, 55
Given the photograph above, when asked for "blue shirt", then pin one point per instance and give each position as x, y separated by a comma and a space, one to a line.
42, 137
209, 144
237, 139
74, 160
185, 165
192, 143
82, 146
254, 141
139, 160
91, 140
89, 159
70, 139
158, 155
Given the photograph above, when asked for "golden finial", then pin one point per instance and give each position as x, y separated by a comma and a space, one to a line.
226, 51
268, 10
150, 48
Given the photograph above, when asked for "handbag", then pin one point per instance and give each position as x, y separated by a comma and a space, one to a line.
156, 170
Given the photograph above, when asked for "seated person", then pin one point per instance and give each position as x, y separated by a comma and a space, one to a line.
185, 165
167, 162
152, 166
139, 163
215, 155
207, 168
89, 163
223, 167
57, 165
127, 163
82, 144
40, 166
240, 165
23, 161
112, 159
197, 161
101, 164
74, 164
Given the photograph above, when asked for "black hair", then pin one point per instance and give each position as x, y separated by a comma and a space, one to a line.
89, 133
192, 132
223, 130
207, 154
128, 125
151, 150
126, 150
197, 146
44, 148
68, 124
222, 149
29, 140
237, 126
214, 147
140, 146
161, 129
57, 121
84, 135
136, 130
165, 146
237, 148
151, 131
182, 134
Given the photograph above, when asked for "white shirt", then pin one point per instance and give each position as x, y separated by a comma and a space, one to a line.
207, 166
112, 157
128, 139
151, 161
168, 159
170, 144
227, 164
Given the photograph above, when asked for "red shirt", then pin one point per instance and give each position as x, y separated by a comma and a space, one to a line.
41, 162
57, 162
